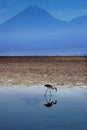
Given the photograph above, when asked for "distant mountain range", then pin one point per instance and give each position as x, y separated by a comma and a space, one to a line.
36, 29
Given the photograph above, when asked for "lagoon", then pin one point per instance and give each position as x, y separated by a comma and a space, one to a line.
28, 108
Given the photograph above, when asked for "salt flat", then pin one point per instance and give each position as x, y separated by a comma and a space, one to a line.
58, 71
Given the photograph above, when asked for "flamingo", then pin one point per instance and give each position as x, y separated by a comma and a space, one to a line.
48, 99
49, 86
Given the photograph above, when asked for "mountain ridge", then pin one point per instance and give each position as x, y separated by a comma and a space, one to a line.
33, 7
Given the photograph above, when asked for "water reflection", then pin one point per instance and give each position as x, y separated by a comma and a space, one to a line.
48, 96
23, 108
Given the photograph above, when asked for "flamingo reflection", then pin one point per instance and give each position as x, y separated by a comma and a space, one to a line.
49, 101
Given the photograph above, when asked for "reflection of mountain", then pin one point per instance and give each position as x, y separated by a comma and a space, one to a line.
36, 29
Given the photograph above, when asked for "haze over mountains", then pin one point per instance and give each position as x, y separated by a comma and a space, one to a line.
34, 29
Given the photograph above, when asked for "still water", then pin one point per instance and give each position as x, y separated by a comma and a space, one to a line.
36, 108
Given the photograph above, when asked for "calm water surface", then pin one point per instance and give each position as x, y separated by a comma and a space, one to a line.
26, 108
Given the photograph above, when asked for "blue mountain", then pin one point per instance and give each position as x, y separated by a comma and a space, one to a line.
33, 18
36, 29
80, 21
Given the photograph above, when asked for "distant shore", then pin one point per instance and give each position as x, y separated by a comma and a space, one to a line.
36, 70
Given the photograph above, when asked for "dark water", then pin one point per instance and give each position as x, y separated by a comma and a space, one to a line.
27, 108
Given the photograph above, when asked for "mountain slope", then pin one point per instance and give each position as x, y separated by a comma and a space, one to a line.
80, 22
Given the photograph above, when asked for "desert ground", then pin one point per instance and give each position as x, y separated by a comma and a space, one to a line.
36, 70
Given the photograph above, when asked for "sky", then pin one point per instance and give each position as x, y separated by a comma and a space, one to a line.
64, 10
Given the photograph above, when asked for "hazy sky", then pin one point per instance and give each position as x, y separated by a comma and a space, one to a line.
62, 9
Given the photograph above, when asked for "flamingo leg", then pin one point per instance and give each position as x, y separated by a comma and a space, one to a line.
50, 92
46, 99
46, 92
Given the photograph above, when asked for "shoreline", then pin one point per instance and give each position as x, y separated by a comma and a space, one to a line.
26, 86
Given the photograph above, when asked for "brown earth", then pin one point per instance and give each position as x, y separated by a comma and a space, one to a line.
59, 71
